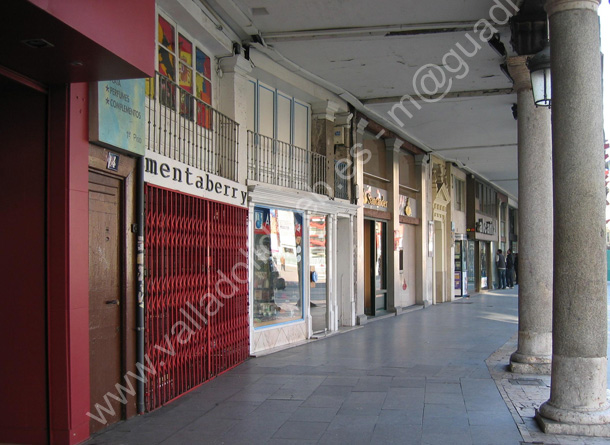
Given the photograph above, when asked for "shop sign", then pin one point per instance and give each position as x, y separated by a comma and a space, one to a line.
375, 198
486, 227
165, 172
407, 206
117, 117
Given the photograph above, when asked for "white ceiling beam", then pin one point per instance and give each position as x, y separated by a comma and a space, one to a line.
434, 97
370, 31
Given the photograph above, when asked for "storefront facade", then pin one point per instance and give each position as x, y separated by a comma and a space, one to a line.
482, 230
389, 231
299, 267
463, 260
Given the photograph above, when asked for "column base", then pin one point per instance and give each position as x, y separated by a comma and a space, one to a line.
527, 364
575, 423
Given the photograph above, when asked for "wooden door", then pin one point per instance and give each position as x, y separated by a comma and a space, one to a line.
105, 293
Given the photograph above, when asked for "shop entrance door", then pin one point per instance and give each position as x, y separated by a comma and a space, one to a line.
483, 264
317, 269
105, 293
375, 287
471, 278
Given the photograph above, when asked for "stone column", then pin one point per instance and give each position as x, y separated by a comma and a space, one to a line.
578, 403
533, 355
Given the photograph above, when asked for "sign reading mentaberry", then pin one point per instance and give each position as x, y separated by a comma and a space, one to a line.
174, 175
117, 116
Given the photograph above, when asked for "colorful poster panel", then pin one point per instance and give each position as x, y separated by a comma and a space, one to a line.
166, 64
185, 54
203, 64
166, 34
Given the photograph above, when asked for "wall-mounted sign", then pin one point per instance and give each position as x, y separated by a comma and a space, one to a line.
407, 206
375, 198
165, 172
112, 162
485, 226
117, 116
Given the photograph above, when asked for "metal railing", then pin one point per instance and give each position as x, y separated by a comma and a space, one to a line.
275, 162
185, 129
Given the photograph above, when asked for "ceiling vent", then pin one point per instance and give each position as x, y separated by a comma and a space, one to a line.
37, 43
259, 11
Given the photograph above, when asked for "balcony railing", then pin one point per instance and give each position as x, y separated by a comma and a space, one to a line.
185, 129
279, 163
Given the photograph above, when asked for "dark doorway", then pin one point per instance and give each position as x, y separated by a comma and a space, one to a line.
23, 318
375, 287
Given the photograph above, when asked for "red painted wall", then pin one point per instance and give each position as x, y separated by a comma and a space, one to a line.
23, 392
125, 28
68, 265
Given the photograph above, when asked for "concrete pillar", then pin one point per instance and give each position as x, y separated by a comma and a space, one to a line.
578, 403
392, 146
533, 355
234, 87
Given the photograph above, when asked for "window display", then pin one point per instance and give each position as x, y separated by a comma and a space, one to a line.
278, 266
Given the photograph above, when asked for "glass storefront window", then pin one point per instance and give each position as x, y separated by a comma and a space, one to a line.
484, 251
278, 266
317, 266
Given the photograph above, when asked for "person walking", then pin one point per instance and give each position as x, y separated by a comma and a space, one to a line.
501, 266
510, 269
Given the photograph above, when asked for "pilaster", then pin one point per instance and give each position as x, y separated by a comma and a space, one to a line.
361, 318
234, 85
392, 146
322, 137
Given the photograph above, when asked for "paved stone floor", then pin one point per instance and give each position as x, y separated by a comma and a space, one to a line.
433, 376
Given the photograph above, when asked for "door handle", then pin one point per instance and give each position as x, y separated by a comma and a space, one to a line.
117, 302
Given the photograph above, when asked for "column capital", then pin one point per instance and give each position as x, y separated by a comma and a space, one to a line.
393, 144
422, 159
361, 126
553, 6
520, 73
236, 64
324, 110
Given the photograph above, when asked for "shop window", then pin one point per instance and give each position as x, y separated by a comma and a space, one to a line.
185, 65
458, 192
277, 115
486, 200
278, 266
